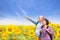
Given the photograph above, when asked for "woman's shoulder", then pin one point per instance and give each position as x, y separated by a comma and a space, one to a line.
49, 27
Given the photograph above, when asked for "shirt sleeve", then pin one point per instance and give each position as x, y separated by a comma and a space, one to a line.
33, 21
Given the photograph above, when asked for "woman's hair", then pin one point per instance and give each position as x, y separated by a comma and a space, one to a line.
47, 21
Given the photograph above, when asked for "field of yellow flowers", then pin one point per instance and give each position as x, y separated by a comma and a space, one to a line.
25, 32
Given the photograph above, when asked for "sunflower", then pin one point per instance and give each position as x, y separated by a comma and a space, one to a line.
4, 35
33, 36
13, 38
17, 31
25, 33
36, 38
9, 30
58, 32
55, 35
28, 28
1, 30
31, 33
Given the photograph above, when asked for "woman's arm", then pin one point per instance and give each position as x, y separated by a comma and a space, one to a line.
50, 31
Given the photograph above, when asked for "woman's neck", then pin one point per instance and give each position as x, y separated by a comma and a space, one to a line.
45, 25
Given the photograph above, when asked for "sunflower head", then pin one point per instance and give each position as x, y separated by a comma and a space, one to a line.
31, 33
58, 32
25, 33
17, 31
4, 35
36, 38
9, 30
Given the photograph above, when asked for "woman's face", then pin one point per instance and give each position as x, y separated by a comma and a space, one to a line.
44, 22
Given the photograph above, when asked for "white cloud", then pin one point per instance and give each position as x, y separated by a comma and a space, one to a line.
14, 21
8, 21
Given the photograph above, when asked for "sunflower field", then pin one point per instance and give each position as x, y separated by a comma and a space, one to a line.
25, 32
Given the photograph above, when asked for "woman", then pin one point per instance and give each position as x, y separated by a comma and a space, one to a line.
45, 31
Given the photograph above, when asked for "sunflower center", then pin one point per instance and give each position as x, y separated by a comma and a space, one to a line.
0, 30
31, 32
17, 30
59, 31
9, 29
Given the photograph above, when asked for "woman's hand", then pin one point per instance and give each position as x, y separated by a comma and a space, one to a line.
40, 30
47, 30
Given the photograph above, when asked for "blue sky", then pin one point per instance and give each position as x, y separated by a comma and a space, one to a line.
13, 11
